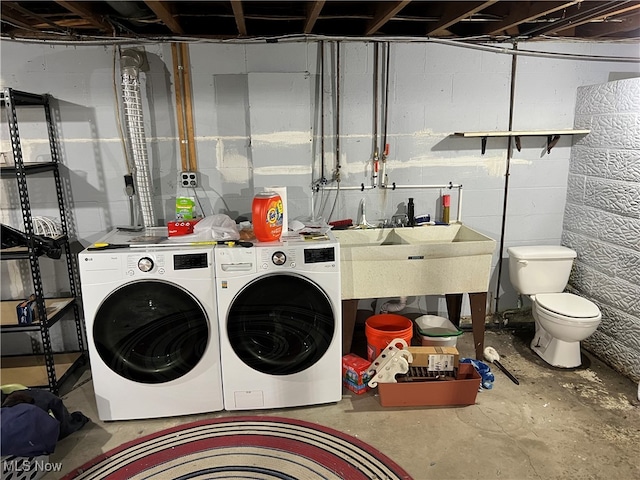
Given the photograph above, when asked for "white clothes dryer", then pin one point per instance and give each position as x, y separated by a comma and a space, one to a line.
152, 331
280, 315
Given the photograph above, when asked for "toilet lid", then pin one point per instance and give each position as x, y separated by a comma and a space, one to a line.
568, 304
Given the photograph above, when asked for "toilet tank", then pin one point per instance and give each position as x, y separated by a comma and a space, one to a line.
540, 269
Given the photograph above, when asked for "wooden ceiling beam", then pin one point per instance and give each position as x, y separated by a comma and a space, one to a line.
384, 13
628, 23
313, 12
164, 11
455, 12
523, 12
23, 12
13, 17
624, 8
238, 13
83, 11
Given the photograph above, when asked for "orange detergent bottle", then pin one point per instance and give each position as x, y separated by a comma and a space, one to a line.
267, 214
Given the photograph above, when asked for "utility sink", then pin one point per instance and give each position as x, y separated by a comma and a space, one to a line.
425, 260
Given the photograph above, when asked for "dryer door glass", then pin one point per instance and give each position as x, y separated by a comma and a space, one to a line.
151, 332
280, 324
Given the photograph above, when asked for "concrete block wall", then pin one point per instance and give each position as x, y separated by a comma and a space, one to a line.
602, 218
257, 123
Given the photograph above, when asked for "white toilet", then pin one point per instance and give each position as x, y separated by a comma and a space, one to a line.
562, 320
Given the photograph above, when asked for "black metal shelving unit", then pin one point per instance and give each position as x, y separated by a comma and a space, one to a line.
42, 367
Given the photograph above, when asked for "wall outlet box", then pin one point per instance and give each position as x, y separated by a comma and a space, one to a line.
188, 179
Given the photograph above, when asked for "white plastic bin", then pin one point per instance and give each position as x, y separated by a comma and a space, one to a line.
435, 331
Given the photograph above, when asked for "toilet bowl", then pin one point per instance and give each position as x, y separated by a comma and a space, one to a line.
562, 321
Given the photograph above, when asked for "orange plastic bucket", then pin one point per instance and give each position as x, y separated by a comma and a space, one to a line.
382, 329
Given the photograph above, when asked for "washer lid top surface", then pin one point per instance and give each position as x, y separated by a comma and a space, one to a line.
568, 304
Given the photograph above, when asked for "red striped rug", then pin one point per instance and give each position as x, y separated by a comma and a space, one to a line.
243, 447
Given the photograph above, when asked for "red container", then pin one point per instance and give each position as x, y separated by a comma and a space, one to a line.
267, 214
181, 227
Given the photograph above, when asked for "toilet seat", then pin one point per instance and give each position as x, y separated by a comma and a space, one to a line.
568, 307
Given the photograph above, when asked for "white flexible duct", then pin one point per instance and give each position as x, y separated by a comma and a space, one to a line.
134, 120
394, 305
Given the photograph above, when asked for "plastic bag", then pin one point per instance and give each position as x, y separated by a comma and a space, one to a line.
220, 226
484, 370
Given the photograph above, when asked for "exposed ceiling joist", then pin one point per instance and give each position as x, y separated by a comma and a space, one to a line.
13, 10
385, 13
82, 10
164, 13
630, 23
580, 14
238, 14
470, 21
526, 13
313, 12
455, 12
608, 13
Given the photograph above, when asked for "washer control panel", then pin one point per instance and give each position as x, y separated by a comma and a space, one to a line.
299, 258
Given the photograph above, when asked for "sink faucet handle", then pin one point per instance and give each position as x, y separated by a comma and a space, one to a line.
399, 219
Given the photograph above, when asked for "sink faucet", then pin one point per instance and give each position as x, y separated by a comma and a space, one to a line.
362, 216
399, 220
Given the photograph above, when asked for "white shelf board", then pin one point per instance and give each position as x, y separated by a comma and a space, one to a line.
522, 133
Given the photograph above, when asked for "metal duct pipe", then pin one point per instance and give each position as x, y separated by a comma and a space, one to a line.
131, 61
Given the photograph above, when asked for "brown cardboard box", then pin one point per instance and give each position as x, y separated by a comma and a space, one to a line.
435, 358
461, 391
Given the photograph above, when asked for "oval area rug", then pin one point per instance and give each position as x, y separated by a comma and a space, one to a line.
243, 447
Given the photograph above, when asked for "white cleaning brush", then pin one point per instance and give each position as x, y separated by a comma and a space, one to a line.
491, 355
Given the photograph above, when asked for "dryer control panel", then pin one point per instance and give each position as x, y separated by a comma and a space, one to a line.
299, 258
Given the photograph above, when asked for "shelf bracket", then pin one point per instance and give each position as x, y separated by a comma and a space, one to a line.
551, 142
518, 143
484, 145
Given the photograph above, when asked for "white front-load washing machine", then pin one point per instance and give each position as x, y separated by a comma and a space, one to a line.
152, 331
280, 315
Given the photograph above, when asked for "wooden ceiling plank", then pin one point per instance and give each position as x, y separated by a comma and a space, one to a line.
455, 12
628, 23
24, 12
14, 20
81, 9
238, 13
164, 12
595, 18
313, 11
523, 12
384, 14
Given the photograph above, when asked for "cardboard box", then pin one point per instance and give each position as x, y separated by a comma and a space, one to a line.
440, 393
436, 359
354, 373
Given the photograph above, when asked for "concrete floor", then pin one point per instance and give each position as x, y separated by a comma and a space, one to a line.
575, 424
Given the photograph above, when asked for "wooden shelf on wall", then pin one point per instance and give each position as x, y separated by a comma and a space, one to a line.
552, 136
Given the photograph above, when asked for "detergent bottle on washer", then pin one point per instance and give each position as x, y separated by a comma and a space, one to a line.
267, 212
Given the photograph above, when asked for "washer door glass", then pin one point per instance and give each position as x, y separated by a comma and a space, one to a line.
151, 331
280, 324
